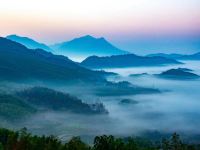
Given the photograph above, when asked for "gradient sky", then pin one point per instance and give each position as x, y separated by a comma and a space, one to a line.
140, 26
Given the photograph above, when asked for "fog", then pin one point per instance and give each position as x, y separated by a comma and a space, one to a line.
176, 108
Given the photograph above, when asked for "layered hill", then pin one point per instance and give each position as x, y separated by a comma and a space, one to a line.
28, 42
87, 46
14, 108
20, 63
195, 56
129, 60
49, 99
178, 74
28, 102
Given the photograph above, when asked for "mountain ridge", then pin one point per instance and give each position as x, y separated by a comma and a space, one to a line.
28, 42
178, 74
19, 62
195, 56
86, 46
128, 60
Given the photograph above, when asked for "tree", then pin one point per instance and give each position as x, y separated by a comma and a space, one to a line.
76, 144
176, 143
131, 144
108, 143
1, 146
165, 144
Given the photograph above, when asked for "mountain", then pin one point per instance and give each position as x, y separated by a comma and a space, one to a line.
195, 56
87, 46
20, 63
29, 43
128, 102
123, 88
128, 60
48, 99
172, 56
138, 75
185, 69
14, 108
178, 74
28, 102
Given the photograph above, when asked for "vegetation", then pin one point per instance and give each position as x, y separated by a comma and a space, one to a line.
128, 60
30, 101
195, 56
179, 73
123, 88
138, 75
106, 74
13, 108
128, 101
22, 140
53, 100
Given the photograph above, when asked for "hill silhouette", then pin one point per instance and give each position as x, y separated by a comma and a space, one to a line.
28, 42
128, 60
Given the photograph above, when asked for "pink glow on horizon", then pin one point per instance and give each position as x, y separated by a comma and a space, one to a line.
65, 19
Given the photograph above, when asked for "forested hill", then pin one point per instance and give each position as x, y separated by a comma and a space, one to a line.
129, 60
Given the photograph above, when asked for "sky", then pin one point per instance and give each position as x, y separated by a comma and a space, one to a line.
139, 26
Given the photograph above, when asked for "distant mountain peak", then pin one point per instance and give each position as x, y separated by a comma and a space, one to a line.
17, 62
82, 38
28, 42
12, 35
17, 37
102, 38
92, 37
88, 36
87, 45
